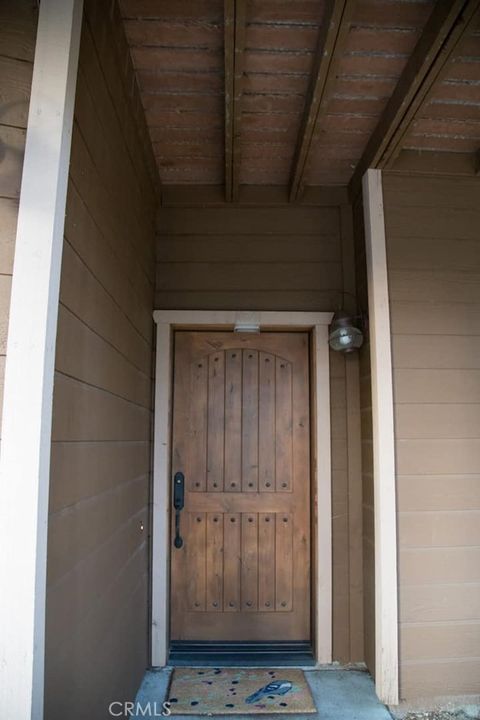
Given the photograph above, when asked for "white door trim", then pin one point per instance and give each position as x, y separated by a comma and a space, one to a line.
385, 510
27, 404
169, 320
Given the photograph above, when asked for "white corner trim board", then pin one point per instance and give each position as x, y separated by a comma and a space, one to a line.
169, 320
386, 602
27, 405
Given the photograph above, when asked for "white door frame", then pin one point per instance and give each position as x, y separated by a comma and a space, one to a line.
317, 322
32, 329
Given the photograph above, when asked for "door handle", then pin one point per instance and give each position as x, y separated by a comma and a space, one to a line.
178, 504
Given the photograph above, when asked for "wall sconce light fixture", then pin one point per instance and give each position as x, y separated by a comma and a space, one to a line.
345, 334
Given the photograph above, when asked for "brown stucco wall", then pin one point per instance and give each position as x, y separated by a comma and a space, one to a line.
98, 575
18, 25
433, 248
280, 258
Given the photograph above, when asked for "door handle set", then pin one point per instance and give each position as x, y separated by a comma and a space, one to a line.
178, 504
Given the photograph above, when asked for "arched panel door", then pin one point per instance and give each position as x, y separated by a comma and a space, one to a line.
241, 439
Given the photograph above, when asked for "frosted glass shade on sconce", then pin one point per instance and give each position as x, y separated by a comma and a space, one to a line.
344, 335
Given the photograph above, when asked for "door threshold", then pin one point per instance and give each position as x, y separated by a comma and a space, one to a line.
241, 654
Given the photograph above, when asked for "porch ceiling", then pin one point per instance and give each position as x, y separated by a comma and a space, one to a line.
296, 93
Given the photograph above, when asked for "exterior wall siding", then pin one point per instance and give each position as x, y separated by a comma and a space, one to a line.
281, 258
434, 265
97, 595
18, 25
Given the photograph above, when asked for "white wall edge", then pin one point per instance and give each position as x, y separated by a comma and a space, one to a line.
167, 321
161, 496
27, 404
385, 520
322, 469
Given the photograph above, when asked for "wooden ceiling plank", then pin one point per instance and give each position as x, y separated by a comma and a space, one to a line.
446, 26
166, 10
331, 42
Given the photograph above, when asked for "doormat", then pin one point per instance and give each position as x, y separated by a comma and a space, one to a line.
239, 691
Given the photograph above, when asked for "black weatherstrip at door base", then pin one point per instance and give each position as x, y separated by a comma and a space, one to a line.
238, 654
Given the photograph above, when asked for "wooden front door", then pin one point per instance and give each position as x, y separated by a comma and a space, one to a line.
241, 437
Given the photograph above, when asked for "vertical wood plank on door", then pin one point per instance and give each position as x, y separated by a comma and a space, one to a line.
197, 445
284, 561
266, 425
231, 567
233, 420
266, 562
195, 546
216, 421
284, 426
250, 421
214, 593
249, 571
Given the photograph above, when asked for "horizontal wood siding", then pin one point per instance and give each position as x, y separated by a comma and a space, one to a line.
18, 25
368, 534
273, 258
97, 597
434, 261
240, 258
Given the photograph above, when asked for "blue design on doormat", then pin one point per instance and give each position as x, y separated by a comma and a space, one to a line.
278, 687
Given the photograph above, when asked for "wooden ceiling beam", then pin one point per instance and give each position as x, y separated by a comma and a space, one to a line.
448, 23
229, 55
234, 43
330, 48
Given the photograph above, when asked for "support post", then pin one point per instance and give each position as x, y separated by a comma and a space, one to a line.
386, 586
27, 406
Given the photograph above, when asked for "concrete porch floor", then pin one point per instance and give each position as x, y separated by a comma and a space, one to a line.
338, 694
